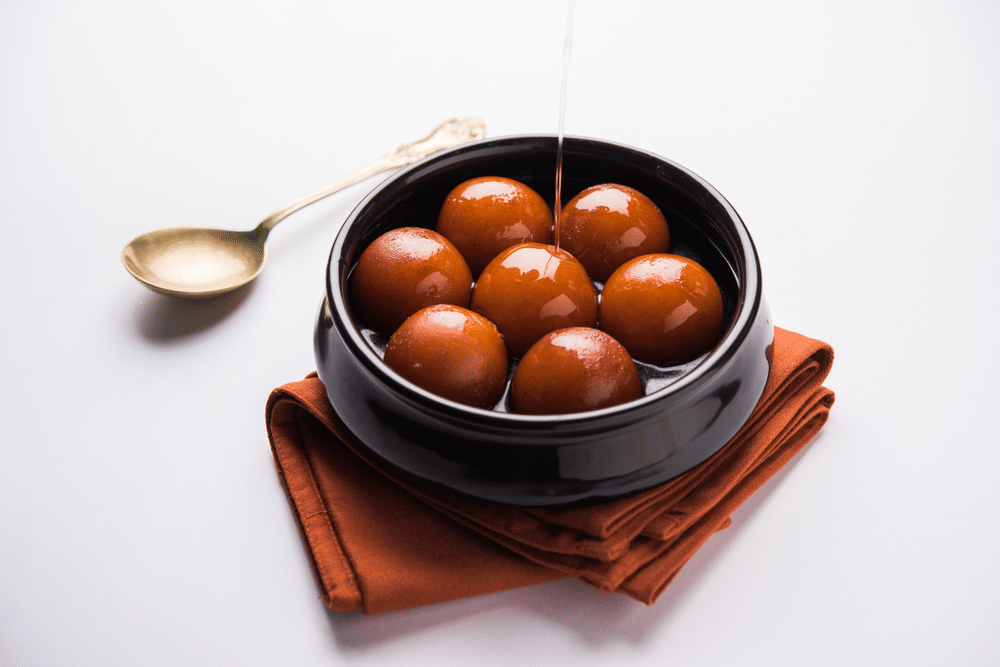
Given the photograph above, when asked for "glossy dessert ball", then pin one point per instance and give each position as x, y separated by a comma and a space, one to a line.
606, 225
662, 308
484, 216
452, 352
403, 271
531, 289
574, 370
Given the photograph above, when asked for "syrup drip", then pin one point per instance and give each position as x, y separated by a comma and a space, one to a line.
567, 49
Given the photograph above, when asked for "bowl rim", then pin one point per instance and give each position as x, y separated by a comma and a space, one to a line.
678, 393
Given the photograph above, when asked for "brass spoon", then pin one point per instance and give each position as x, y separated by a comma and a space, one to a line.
196, 262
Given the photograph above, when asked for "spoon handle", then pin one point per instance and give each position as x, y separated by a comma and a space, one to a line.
450, 133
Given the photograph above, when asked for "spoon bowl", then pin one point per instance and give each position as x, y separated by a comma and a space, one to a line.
195, 262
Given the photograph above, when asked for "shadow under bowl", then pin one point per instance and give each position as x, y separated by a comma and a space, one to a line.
688, 411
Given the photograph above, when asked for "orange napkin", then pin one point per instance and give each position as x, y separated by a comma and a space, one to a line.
382, 540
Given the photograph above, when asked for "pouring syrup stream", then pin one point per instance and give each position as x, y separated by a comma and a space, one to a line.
567, 49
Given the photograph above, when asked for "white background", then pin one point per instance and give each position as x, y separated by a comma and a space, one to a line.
141, 519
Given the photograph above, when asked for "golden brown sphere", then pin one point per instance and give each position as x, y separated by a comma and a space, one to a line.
531, 289
574, 370
452, 352
404, 270
606, 225
662, 308
484, 216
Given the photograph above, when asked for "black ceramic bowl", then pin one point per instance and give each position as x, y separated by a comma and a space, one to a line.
688, 412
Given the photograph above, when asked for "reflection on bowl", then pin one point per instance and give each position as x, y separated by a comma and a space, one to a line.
688, 411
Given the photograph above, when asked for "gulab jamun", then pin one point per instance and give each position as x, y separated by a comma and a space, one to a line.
606, 225
574, 370
452, 352
404, 270
663, 308
484, 216
531, 289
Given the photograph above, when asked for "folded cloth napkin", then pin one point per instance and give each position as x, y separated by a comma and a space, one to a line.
380, 540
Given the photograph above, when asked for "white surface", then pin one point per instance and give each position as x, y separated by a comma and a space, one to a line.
141, 520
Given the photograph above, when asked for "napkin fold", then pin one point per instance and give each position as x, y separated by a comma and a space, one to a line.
381, 540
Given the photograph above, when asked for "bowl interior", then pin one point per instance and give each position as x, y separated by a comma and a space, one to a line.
700, 220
